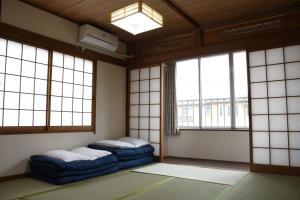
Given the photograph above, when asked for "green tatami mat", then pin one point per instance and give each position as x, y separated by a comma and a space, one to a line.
258, 186
106, 188
23, 186
181, 189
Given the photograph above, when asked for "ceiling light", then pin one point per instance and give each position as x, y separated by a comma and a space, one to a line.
137, 18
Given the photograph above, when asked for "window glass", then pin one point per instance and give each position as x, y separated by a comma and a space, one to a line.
20, 79
187, 91
71, 91
213, 87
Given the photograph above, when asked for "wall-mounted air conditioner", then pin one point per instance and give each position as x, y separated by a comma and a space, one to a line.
97, 38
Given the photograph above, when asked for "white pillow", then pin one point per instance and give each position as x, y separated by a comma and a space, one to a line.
66, 156
134, 141
115, 143
92, 153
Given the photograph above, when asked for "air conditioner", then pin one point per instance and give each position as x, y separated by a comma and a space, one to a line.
97, 38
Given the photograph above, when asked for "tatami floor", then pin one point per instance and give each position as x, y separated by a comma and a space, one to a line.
129, 185
207, 163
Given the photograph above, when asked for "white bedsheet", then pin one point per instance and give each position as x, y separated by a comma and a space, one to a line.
66, 156
92, 153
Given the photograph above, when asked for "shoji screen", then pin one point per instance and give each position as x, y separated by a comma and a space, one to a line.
275, 107
144, 105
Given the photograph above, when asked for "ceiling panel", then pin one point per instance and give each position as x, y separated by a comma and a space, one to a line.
53, 6
97, 12
212, 11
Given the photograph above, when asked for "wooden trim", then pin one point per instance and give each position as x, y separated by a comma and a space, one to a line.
180, 12
161, 136
43, 129
15, 33
213, 129
128, 102
249, 109
13, 177
199, 159
287, 170
1, 10
254, 17
49, 86
94, 96
270, 40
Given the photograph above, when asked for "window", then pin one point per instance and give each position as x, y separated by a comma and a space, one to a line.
24, 88
187, 83
210, 88
71, 91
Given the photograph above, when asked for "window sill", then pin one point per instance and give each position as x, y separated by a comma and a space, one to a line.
45, 130
213, 129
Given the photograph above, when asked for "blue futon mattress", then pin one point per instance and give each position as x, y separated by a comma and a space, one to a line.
57, 171
68, 179
134, 163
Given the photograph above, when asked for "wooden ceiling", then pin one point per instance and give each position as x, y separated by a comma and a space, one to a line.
202, 12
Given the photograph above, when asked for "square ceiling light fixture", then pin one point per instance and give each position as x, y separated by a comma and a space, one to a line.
137, 18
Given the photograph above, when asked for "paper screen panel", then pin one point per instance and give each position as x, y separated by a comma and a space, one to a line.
294, 120
261, 156
134, 75
295, 158
154, 136
144, 98
259, 106
144, 135
134, 86
275, 72
259, 90
293, 70
155, 72
276, 89
280, 157
275, 104
257, 58
274, 56
295, 140
258, 74
292, 53
279, 139
260, 123
144, 73
260, 139
134, 133
144, 122
278, 122
293, 88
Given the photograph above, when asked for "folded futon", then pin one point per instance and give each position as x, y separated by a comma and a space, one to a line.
131, 152
60, 166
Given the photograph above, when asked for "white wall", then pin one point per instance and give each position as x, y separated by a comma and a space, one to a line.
211, 145
111, 95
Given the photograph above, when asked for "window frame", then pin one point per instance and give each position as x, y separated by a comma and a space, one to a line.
12, 130
232, 97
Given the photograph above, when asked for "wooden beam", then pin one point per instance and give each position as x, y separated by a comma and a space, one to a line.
174, 7
271, 40
0, 10
18, 34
